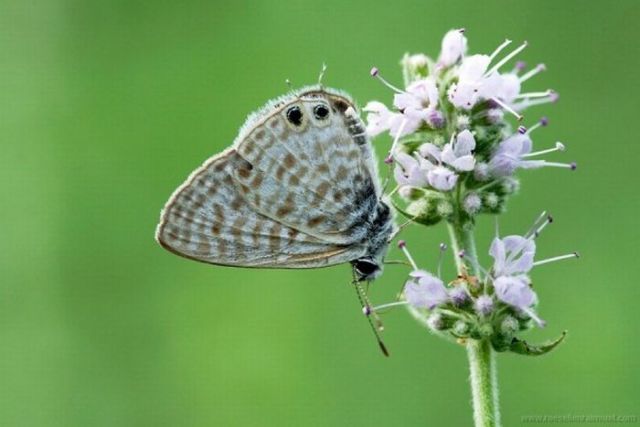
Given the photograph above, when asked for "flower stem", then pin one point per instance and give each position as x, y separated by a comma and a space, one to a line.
484, 388
484, 384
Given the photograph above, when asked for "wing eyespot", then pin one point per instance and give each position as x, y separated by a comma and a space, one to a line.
294, 115
321, 112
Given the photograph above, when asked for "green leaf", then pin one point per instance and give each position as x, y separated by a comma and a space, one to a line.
522, 347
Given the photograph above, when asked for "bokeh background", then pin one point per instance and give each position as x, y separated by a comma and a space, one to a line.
106, 106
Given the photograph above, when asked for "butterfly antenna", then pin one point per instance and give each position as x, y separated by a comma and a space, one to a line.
366, 309
321, 76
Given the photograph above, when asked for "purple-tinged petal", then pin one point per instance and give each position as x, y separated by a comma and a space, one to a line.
425, 291
465, 143
442, 178
515, 291
454, 46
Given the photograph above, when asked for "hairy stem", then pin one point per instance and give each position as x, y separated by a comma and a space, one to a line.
484, 387
483, 377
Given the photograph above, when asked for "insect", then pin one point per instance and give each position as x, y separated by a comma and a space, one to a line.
298, 188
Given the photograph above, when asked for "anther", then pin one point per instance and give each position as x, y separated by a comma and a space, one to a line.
558, 147
541, 123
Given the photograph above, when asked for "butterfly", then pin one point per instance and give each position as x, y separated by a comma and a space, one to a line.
298, 188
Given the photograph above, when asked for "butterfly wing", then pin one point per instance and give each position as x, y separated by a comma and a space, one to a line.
298, 190
207, 220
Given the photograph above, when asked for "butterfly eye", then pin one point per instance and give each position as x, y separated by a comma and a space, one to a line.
294, 115
320, 111
366, 267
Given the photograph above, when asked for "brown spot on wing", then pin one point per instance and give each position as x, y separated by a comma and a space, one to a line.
289, 161
316, 220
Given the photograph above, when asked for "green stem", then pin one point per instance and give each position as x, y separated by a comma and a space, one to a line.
484, 384
484, 388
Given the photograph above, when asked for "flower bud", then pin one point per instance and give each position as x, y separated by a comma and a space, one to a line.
424, 210
485, 330
459, 296
461, 328
414, 67
509, 326
510, 185
472, 203
445, 209
484, 305
436, 322
481, 172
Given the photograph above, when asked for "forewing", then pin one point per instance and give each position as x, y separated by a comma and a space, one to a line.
208, 219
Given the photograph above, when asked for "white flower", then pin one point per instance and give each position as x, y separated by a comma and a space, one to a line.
417, 104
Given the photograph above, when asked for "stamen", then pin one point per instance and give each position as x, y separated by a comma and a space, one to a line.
535, 224
403, 246
395, 141
376, 73
559, 147
530, 95
507, 108
506, 59
557, 258
541, 323
541, 123
542, 226
573, 165
526, 103
532, 72
506, 43
388, 305
522, 130
533, 233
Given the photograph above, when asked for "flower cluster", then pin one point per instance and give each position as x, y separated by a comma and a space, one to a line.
497, 304
454, 147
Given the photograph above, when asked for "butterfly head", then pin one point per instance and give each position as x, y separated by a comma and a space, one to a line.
366, 269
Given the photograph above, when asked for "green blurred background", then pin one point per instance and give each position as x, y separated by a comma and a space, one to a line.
108, 105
